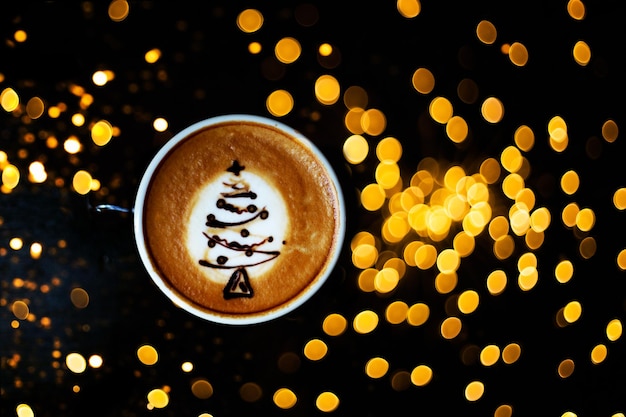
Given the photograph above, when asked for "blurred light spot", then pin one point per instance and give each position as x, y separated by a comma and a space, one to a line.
315, 349
373, 197
101, 132
284, 398
10, 176
582, 53
334, 324
409, 8
82, 182
158, 398
418, 314
528, 278
364, 256
572, 311
503, 411
376, 367
152, 56
610, 131
512, 184
566, 368
76, 363
421, 375
621, 259
614, 330
386, 280
327, 89
366, 280
576, 9
569, 214
95, 361
518, 54
373, 122
325, 49
99, 78
72, 145
147, 355
279, 103
327, 402
201, 388
255, 48
20, 310
249, 20
400, 380
564, 271
160, 124
425, 256
118, 10
486, 32
355, 149
35, 250
492, 110
78, 119
464, 244
540, 219
423, 80
587, 247
511, 353
474, 391
451, 327
496, 282
446, 283
16, 243
79, 297
511, 159
9, 99
448, 261
396, 312
387, 174
457, 129
524, 138
389, 148
355, 97
489, 355
468, 301
20, 36
365, 322
287, 50
35, 107
24, 410
440, 110
585, 219
37, 172
598, 354
250, 392
503, 247
467, 90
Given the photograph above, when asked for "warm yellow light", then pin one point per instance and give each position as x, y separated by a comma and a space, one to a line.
365, 322
315, 349
468, 301
255, 48
569, 214
570, 182
610, 131
524, 138
423, 80
486, 32
581, 53
279, 103
587, 247
355, 149
409, 8
504, 410
418, 314
10, 176
421, 375
24, 410
511, 353
572, 311
387, 174
35, 108
284, 398
249, 20
564, 271
614, 330
440, 110
202, 389
489, 355
118, 10
492, 110
9, 99
99, 78
386, 280
158, 398
451, 327
448, 261
457, 129
20, 36
147, 355
78, 119
327, 89
373, 197
152, 55
446, 283
566, 368
511, 159
490, 170
355, 97
373, 122
334, 324
101, 132
396, 312
16, 243
464, 244
528, 278
389, 148
327, 402
585, 219
364, 256
598, 354
82, 182
621, 259
376, 367
287, 50
503, 247
540, 219
496, 282
474, 391
425, 256
518, 54
20, 310
576, 9
76, 363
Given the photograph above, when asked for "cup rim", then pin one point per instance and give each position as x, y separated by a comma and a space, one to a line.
174, 296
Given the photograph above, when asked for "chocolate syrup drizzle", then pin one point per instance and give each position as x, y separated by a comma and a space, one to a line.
238, 284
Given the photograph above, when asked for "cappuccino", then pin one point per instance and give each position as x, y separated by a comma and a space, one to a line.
239, 219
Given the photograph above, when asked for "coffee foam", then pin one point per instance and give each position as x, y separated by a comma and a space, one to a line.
247, 228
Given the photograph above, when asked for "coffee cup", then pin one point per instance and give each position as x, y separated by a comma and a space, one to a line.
239, 219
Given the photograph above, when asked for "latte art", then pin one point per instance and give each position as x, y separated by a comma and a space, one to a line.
229, 234
244, 229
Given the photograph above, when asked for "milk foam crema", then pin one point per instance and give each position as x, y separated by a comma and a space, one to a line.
237, 228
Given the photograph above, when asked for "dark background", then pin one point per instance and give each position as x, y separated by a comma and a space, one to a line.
206, 70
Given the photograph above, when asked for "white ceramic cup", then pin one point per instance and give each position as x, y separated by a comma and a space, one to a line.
207, 234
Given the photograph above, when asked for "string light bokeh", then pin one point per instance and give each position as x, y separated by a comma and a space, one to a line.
480, 153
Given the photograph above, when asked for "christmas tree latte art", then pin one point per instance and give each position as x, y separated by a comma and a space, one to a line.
244, 230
